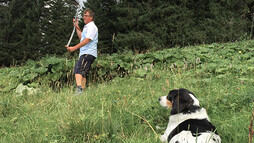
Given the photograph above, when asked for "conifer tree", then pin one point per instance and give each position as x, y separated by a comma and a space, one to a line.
22, 36
105, 17
4, 60
130, 33
34, 28
57, 26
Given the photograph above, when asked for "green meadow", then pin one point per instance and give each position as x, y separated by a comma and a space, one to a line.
120, 103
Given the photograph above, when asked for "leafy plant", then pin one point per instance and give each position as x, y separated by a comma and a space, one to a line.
218, 59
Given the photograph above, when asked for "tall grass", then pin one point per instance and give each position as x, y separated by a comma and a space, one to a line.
125, 109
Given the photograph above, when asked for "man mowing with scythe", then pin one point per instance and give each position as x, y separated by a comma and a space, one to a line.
87, 47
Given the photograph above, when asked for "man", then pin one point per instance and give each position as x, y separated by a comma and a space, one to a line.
88, 49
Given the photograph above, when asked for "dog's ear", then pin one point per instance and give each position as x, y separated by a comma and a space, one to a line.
181, 102
177, 107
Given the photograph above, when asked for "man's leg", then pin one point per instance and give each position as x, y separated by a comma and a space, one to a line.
79, 79
83, 84
81, 71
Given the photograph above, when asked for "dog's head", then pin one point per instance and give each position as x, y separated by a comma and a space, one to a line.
181, 100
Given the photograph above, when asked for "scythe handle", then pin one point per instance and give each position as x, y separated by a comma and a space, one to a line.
73, 31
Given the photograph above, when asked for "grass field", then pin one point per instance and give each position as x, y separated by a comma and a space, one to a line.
126, 109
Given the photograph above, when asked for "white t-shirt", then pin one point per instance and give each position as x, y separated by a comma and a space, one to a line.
90, 31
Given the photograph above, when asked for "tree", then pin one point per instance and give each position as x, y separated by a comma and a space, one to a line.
132, 27
104, 19
3, 22
157, 24
57, 26
31, 29
21, 32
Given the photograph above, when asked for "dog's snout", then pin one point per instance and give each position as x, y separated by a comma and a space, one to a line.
159, 99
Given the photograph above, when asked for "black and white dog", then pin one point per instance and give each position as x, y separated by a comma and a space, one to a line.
188, 122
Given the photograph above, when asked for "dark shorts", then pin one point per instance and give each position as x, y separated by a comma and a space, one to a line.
83, 65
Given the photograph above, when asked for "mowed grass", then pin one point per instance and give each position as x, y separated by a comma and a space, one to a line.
126, 109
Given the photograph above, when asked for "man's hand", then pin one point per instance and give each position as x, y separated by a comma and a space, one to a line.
81, 44
70, 49
75, 24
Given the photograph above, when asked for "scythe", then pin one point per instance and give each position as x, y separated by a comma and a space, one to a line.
80, 5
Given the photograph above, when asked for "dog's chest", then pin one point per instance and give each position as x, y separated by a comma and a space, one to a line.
175, 120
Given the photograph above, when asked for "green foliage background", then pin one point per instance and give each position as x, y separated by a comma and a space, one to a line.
216, 59
34, 28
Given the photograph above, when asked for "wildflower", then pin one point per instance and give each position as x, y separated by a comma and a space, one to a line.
240, 52
197, 60
237, 88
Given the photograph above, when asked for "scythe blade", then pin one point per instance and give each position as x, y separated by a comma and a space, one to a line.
80, 6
